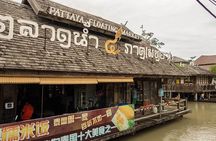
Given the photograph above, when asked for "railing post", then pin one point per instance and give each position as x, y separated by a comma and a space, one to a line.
186, 104
170, 94
160, 106
209, 96
195, 97
178, 105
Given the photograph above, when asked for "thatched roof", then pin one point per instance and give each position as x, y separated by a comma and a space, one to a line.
190, 70
41, 54
176, 59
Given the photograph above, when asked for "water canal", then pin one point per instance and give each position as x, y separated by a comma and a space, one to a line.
200, 125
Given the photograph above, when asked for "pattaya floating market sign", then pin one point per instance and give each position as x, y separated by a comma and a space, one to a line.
75, 17
80, 126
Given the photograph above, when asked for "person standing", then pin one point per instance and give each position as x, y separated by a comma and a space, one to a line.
27, 111
134, 96
202, 97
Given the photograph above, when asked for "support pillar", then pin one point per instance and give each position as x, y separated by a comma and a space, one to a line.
209, 96
170, 95
195, 97
179, 96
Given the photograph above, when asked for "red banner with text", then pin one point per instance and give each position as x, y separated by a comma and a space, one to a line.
80, 126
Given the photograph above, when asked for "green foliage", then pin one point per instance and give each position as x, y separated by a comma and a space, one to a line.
179, 65
213, 69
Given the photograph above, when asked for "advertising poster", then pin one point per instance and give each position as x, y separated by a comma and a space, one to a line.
80, 126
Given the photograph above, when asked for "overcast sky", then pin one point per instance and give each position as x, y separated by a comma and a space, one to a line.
183, 25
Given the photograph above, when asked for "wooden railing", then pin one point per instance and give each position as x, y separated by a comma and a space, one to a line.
189, 88
177, 107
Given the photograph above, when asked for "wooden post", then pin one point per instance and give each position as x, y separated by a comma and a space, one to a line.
186, 104
209, 96
160, 106
178, 105
170, 95
42, 100
195, 97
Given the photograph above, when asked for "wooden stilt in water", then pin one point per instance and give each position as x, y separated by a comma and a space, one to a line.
195, 97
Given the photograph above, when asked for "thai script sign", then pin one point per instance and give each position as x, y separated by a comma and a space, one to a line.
146, 52
75, 17
31, 29
65, 37
110, 45
80, 126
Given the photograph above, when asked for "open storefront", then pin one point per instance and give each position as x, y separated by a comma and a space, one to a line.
50, 99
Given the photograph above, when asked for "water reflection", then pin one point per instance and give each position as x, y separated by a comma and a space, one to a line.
200, 125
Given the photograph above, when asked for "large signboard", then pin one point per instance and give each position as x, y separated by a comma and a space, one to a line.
76, 17
67, 38
71, 127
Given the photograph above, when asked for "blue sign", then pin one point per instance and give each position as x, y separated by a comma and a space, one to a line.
161, 92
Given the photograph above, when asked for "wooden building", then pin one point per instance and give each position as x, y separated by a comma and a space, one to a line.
206, 61
77, 74
196, 82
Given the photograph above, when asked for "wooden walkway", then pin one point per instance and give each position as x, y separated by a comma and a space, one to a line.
144, 121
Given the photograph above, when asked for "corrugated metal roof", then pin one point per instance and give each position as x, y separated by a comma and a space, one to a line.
205, 60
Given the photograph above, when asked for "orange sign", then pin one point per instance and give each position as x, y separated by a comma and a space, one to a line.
110, 45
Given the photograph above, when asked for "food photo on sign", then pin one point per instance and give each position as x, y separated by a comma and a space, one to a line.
124, 117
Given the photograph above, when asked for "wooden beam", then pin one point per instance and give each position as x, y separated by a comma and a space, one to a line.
36, 8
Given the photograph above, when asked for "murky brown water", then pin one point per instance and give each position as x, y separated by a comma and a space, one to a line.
200, 125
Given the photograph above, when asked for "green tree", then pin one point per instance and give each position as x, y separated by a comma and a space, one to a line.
213, 69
